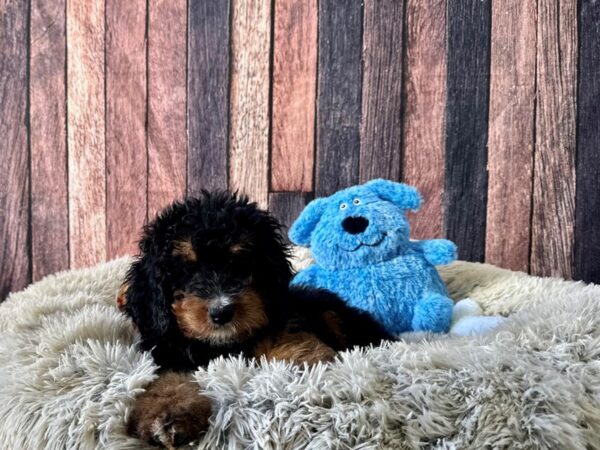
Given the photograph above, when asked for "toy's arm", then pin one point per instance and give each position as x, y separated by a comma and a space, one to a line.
307, 276
436, 251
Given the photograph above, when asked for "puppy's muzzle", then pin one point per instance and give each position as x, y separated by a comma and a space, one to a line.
221, 314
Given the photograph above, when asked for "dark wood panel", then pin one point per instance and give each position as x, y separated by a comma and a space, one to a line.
381, 128
468, 28
511, 134
287, 206
208, 99
587, 223
294, 90
167, 134
126, 157
14, 158
424, 98
556, 113
86, 132
339, 96
48, 139
249, 110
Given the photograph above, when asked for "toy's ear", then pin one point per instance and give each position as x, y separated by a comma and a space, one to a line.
400, 194
302, 228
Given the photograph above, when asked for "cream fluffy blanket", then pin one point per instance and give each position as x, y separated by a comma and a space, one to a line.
69, 372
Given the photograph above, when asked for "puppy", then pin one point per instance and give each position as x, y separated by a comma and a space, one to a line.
212, 279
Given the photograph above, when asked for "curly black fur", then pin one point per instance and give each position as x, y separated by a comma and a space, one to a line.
236, 246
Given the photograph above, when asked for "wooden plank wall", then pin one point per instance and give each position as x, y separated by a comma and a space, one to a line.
110, 110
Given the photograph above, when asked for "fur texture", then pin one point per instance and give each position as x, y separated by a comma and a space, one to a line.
70, 371
212, 279
359, 238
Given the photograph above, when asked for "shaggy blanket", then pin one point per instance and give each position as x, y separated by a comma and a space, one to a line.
69, 371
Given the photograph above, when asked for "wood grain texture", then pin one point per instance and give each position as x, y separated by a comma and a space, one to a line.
468, 28
511, 134
287, 206
381, 127
339, 96
126, 157
556, 114
587, 223
294, 92
48, 139
208, 99
167, 135
14, 157
424, 98
85, 130
249, 103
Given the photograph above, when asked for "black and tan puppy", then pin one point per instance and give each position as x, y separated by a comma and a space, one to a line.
213, 279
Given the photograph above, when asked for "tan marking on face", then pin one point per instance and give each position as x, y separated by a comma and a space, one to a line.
185, 249
301, 347
243, 244
122, 296
194, 320
192, 317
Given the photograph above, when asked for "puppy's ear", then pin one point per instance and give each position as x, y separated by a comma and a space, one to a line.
400, 194
301, 230
145, 302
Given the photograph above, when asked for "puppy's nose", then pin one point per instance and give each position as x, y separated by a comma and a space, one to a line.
221, 314
355, 225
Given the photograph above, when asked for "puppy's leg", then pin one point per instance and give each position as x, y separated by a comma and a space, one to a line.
300, 347
171, 412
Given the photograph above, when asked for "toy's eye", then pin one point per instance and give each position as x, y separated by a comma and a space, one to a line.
356, 201
343, 206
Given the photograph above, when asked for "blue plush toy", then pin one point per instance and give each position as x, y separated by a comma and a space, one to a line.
359, 238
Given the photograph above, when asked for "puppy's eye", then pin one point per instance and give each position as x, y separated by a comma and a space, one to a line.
343, 206
356, 201
178, 295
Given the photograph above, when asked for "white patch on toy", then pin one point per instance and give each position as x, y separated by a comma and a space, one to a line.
468, 319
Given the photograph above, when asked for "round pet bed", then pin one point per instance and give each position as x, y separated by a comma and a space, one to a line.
69, 371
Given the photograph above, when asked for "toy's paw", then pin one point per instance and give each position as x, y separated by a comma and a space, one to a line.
468, 319
465, 308
439, 251
433, 313
309, 276
170, 413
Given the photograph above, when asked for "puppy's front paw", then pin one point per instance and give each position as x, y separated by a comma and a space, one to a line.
171, 412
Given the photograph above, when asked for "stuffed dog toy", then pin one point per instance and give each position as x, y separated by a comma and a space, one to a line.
360, 241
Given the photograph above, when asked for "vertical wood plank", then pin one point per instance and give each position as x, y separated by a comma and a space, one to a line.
339, 96
126, 156
511, 134
468, 28
85, 130
294, 91
287, 206
587, 220
249, 134
381, 127
208, 100
48, 139
424, 99
14, 157
556, 114
167, 136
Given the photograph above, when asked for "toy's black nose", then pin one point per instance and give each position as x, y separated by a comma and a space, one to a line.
355, 225
221, 314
